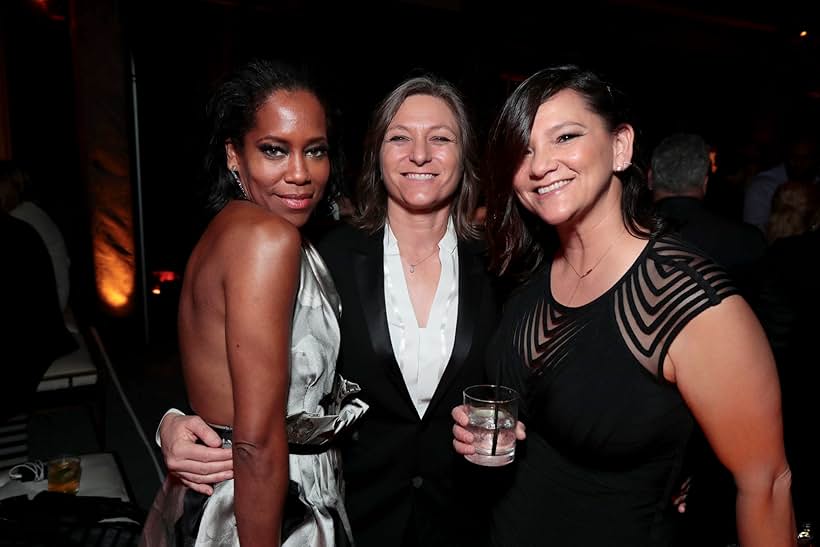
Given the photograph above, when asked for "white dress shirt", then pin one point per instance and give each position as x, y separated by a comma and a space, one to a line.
422, 353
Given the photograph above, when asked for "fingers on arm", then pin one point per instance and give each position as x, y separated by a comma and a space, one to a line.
181, 451
196, 428
179, 433
201, 466
203, 479
197, 487
201, 460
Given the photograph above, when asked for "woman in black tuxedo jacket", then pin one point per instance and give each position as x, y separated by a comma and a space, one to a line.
418, 310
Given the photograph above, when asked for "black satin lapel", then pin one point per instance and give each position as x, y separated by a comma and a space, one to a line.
370, 278
369, 271
470, 295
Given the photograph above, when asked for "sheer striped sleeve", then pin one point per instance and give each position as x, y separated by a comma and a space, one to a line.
658, 299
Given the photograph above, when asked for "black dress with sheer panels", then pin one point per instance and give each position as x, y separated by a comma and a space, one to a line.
606, 434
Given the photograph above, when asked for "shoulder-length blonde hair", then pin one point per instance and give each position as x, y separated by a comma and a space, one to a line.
795, 209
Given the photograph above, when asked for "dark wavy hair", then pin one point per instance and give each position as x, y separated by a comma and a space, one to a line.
231, 112
517, 238
371, 195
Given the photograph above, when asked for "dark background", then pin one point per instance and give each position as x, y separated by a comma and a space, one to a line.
725, 70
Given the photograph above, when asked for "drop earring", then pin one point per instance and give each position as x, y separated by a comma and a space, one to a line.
235, 174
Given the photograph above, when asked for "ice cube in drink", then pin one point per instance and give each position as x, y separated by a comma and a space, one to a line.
484, 427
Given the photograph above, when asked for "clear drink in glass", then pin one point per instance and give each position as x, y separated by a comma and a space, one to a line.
493, 412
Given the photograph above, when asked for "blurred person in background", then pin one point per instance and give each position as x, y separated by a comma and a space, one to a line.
15, 197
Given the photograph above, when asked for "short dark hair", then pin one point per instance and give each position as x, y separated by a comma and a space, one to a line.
516, 236
231, 112
680, 163
371, 195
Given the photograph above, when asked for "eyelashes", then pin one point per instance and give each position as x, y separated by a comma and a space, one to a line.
276, 151
561, 139
273, 151
566, 137
317, 151
435, 139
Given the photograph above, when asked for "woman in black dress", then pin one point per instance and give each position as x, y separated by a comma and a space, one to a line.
622, 342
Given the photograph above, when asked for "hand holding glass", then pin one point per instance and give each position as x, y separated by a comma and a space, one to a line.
492, 412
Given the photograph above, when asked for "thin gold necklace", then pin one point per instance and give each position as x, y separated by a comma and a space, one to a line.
581, 276
413, 266
589, 271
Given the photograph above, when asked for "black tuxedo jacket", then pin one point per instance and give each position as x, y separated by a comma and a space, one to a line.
405, 484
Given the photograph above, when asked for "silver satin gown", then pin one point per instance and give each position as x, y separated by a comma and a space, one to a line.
319, 408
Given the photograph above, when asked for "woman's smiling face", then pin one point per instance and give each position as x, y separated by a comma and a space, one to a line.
283, 160
421, 159
570, 160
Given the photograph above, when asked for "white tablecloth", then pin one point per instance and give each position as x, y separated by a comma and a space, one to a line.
100, 477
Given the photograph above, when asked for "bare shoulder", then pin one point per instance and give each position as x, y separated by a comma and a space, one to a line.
732, 313
247, 232
726, 336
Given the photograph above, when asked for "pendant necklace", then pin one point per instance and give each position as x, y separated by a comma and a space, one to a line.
413, 266
589, 271
581, 276
391, 299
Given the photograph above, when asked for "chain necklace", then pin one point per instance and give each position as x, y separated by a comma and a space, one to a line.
413, 266
589, 271
581, 276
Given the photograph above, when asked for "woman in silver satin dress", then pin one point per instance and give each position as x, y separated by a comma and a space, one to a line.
258, 328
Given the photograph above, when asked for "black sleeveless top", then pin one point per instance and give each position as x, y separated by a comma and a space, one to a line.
606, 433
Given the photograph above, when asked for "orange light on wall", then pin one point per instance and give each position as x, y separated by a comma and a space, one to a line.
114, 261
113, 233
804, 33
102, 118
